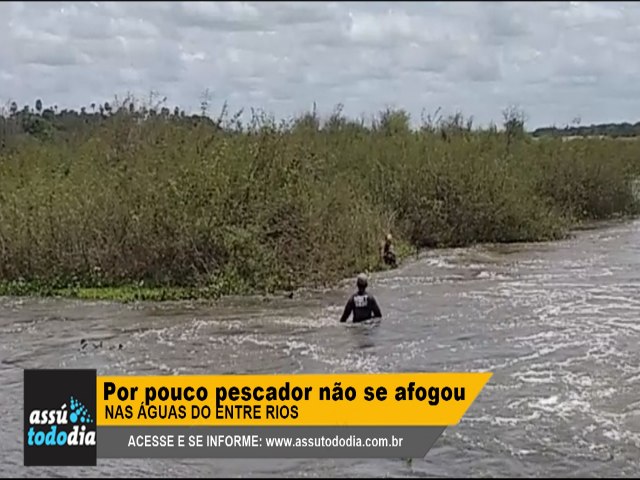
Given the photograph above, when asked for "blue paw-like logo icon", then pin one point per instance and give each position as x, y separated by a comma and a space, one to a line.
79, 413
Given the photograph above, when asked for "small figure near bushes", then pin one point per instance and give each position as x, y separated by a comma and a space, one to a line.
388, 254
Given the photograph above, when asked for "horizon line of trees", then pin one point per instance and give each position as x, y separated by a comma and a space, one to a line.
49, 122
45, 122
614, 130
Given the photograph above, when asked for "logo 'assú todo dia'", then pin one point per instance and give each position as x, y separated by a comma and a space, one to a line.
59, 417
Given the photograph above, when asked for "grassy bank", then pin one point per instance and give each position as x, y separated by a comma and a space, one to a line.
166, 207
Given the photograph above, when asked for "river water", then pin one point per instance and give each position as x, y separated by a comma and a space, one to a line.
558, 324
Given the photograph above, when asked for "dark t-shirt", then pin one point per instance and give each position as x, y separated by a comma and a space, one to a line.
363, 306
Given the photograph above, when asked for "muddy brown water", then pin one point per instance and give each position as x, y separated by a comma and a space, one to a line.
557, 323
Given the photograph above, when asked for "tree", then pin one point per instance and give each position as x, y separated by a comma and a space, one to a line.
205, 102
48, 114
13, 109
38, 105
394, 122
336, 121
308, 121
514, 120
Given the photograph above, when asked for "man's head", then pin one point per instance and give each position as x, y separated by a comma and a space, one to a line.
362, 282
389, 237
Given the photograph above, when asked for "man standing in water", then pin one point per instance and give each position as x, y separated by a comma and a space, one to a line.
388, 255
361, 304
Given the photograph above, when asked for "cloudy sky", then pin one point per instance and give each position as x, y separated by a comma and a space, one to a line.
556, 60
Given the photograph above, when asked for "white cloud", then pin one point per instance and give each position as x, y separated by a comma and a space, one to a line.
557, 60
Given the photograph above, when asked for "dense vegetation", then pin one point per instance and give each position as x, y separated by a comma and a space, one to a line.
121, 195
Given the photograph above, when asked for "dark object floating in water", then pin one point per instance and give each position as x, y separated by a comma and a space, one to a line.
100, 344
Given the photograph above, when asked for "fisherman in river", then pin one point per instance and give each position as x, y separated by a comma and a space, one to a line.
361, 304
388, 255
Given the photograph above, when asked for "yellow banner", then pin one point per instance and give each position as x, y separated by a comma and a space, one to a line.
381, 399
